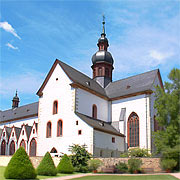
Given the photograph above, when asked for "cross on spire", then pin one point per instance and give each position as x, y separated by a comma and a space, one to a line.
103, 32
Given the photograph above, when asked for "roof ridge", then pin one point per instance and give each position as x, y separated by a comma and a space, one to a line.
135, 75
93, 118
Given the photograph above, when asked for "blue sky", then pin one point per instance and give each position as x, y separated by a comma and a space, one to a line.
143, 35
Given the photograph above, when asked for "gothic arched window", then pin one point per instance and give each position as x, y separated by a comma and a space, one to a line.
48, 130
94, 111
59, 128
12, 148
3, 147
55, 107
133, 130
32, 147
23, 144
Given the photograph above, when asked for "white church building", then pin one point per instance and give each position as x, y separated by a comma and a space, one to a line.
108, 116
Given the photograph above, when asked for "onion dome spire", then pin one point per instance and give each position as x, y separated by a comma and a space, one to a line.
15, 101
102, 60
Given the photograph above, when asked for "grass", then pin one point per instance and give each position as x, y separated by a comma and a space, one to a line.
115, 177
2, 169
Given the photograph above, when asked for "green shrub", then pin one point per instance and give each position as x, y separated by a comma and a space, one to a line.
65, 165
134, 165
94, 164
168, 164
46, 166
122, 167
172, 153
136, 152
20, 166
80, 157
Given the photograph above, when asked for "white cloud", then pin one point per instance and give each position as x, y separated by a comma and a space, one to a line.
7, 27
26, 83
11, 46
159, 55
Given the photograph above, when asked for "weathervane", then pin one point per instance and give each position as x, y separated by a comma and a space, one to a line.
103, 24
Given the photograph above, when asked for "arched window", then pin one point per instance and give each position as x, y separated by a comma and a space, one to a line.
59, 128
100, 71
48, 130
23, 144
32, 151
55, 107
12, 148
53, 150
94, 111
133, 130
3, 147
107, 72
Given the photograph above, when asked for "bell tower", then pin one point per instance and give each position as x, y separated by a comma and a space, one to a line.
102, 61
15, 101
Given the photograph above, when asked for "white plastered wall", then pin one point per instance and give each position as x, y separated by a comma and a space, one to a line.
104, 140
23, 136
19, 123
61, 91
139, 105
85, 101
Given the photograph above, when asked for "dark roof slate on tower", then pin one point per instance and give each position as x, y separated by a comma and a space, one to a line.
19, 112
134, 84
99, 124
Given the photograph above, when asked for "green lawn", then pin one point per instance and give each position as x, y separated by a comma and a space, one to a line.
2, 169
148, 177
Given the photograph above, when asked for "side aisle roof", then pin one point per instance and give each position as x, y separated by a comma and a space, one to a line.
25, 111
99, 125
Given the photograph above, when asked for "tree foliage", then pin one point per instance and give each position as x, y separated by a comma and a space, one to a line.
80, 157
46, 166
167, 104
20, 166
65, 165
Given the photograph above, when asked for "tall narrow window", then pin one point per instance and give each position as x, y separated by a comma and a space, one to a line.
32, 151
107, 72
94, 111
12, 148
48, 130
55, 107
23, 144
100, 71
133, 130
59, 128
3, 147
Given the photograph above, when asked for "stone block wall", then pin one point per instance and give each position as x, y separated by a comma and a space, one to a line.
149, 164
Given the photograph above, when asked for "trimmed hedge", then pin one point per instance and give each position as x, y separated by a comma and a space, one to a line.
20, 166
46, 166
65, 165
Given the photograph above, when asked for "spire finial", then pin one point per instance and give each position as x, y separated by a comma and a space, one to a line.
103, 32
16, 92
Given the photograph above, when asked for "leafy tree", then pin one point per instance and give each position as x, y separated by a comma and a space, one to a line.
65, 165
46, 166
20, 166
167, 104
80, 157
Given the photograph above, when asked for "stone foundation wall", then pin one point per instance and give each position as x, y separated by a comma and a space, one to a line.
4, 160
149, 164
